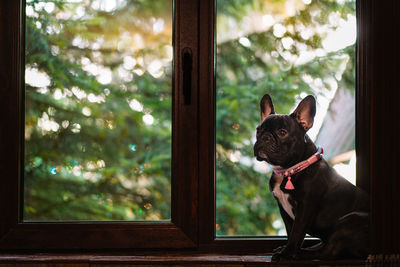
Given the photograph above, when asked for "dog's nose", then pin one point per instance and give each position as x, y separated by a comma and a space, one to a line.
255, 149
260, 155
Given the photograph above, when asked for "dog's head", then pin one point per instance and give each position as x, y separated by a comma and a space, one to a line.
282, 139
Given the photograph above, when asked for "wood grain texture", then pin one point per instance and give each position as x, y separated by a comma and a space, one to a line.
207, 124
364, 78
44, 236
384, 54
10, 121
185, 132
162, 259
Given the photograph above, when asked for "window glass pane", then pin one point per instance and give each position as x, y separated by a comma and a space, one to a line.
287, 48
98, 78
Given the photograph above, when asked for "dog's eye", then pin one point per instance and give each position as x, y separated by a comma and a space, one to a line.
282, 132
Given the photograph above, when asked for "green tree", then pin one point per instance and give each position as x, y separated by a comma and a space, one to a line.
89, 155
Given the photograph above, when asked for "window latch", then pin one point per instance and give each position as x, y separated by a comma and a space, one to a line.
187, 74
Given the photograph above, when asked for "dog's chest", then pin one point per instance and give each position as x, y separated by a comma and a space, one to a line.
283, 198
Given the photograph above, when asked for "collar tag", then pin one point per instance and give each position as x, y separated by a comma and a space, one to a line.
297, 168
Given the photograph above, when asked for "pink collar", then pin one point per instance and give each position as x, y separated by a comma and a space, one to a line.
297, 168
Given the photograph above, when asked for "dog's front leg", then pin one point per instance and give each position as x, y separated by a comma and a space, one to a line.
288, 221
305, 213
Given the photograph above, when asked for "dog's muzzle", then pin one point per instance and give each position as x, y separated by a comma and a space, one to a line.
259, 153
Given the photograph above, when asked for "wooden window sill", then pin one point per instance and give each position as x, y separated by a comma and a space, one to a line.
158, 259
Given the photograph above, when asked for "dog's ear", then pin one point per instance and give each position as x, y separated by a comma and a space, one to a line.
305, 112
266, 106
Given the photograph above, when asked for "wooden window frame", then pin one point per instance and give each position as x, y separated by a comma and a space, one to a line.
193, 183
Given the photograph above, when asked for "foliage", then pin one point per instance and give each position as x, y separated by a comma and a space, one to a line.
100, 161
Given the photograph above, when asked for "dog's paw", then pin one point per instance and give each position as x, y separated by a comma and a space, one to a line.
279, 249
282, 253
276, 257
279, 256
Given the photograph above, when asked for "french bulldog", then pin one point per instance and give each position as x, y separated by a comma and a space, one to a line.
312, 197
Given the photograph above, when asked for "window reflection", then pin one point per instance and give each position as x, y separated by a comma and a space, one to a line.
98, 110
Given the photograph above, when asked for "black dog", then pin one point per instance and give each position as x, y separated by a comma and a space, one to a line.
313, 199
